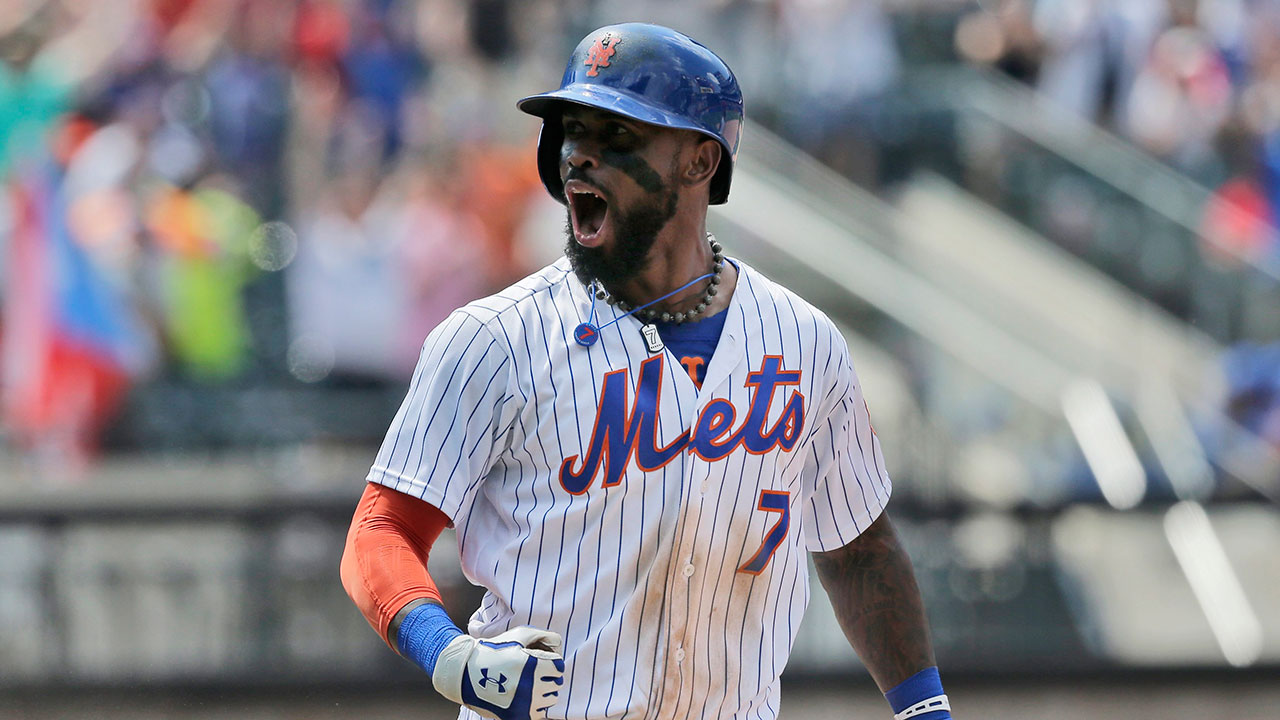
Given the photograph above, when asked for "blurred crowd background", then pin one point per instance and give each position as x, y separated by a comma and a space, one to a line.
204, 193
227, 225
245, 193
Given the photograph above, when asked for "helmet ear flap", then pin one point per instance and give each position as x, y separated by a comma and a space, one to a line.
720, 182
550, 141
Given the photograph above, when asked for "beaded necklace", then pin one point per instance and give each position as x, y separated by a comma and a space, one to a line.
587, 333
678, 318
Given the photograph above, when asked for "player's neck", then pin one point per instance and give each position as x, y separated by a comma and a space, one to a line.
674, 261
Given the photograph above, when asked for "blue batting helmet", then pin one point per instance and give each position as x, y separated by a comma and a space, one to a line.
648, 73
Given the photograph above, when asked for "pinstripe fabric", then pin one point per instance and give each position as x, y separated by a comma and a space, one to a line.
642, 578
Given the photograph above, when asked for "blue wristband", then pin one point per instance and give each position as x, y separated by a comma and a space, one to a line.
423, 634
923, 685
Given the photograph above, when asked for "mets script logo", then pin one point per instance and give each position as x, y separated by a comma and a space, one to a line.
600, 53
622, 433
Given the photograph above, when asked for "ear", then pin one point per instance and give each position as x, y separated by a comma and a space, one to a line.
703, 161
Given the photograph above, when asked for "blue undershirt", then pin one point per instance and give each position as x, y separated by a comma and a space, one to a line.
693, 343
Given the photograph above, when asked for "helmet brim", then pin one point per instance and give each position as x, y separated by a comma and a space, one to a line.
610, 100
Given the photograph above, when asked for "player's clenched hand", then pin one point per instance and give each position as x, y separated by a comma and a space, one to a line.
513, 676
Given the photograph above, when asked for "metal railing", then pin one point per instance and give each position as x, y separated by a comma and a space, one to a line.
1140, 220
847, 238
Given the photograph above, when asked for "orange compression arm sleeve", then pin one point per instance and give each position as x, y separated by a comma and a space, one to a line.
384, 565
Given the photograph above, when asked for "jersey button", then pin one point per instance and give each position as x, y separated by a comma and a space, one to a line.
679, 654
688, 570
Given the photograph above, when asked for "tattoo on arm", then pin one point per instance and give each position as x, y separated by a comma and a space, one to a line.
878, 605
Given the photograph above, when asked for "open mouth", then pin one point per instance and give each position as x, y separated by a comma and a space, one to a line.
589, 211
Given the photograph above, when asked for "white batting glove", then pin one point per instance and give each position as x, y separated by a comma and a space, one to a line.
514, 676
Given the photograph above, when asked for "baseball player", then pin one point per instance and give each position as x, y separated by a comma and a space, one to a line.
637, 445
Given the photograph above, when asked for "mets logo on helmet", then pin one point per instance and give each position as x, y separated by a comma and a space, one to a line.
600, 53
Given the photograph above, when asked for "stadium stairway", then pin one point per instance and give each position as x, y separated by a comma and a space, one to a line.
1080, 354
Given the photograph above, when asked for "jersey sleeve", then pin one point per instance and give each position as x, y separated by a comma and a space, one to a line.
850, 484
445, 437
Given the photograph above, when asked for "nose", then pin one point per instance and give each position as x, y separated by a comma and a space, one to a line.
580, 154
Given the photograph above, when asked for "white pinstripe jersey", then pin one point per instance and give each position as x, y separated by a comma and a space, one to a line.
660, 528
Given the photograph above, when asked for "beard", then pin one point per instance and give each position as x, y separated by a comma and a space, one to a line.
635, 231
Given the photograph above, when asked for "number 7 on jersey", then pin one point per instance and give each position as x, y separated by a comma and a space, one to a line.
778, 501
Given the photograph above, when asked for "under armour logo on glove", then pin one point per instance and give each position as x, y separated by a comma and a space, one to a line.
501, 680
514, 676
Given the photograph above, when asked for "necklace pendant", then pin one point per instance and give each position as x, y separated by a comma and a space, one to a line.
652, 339
586, 334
